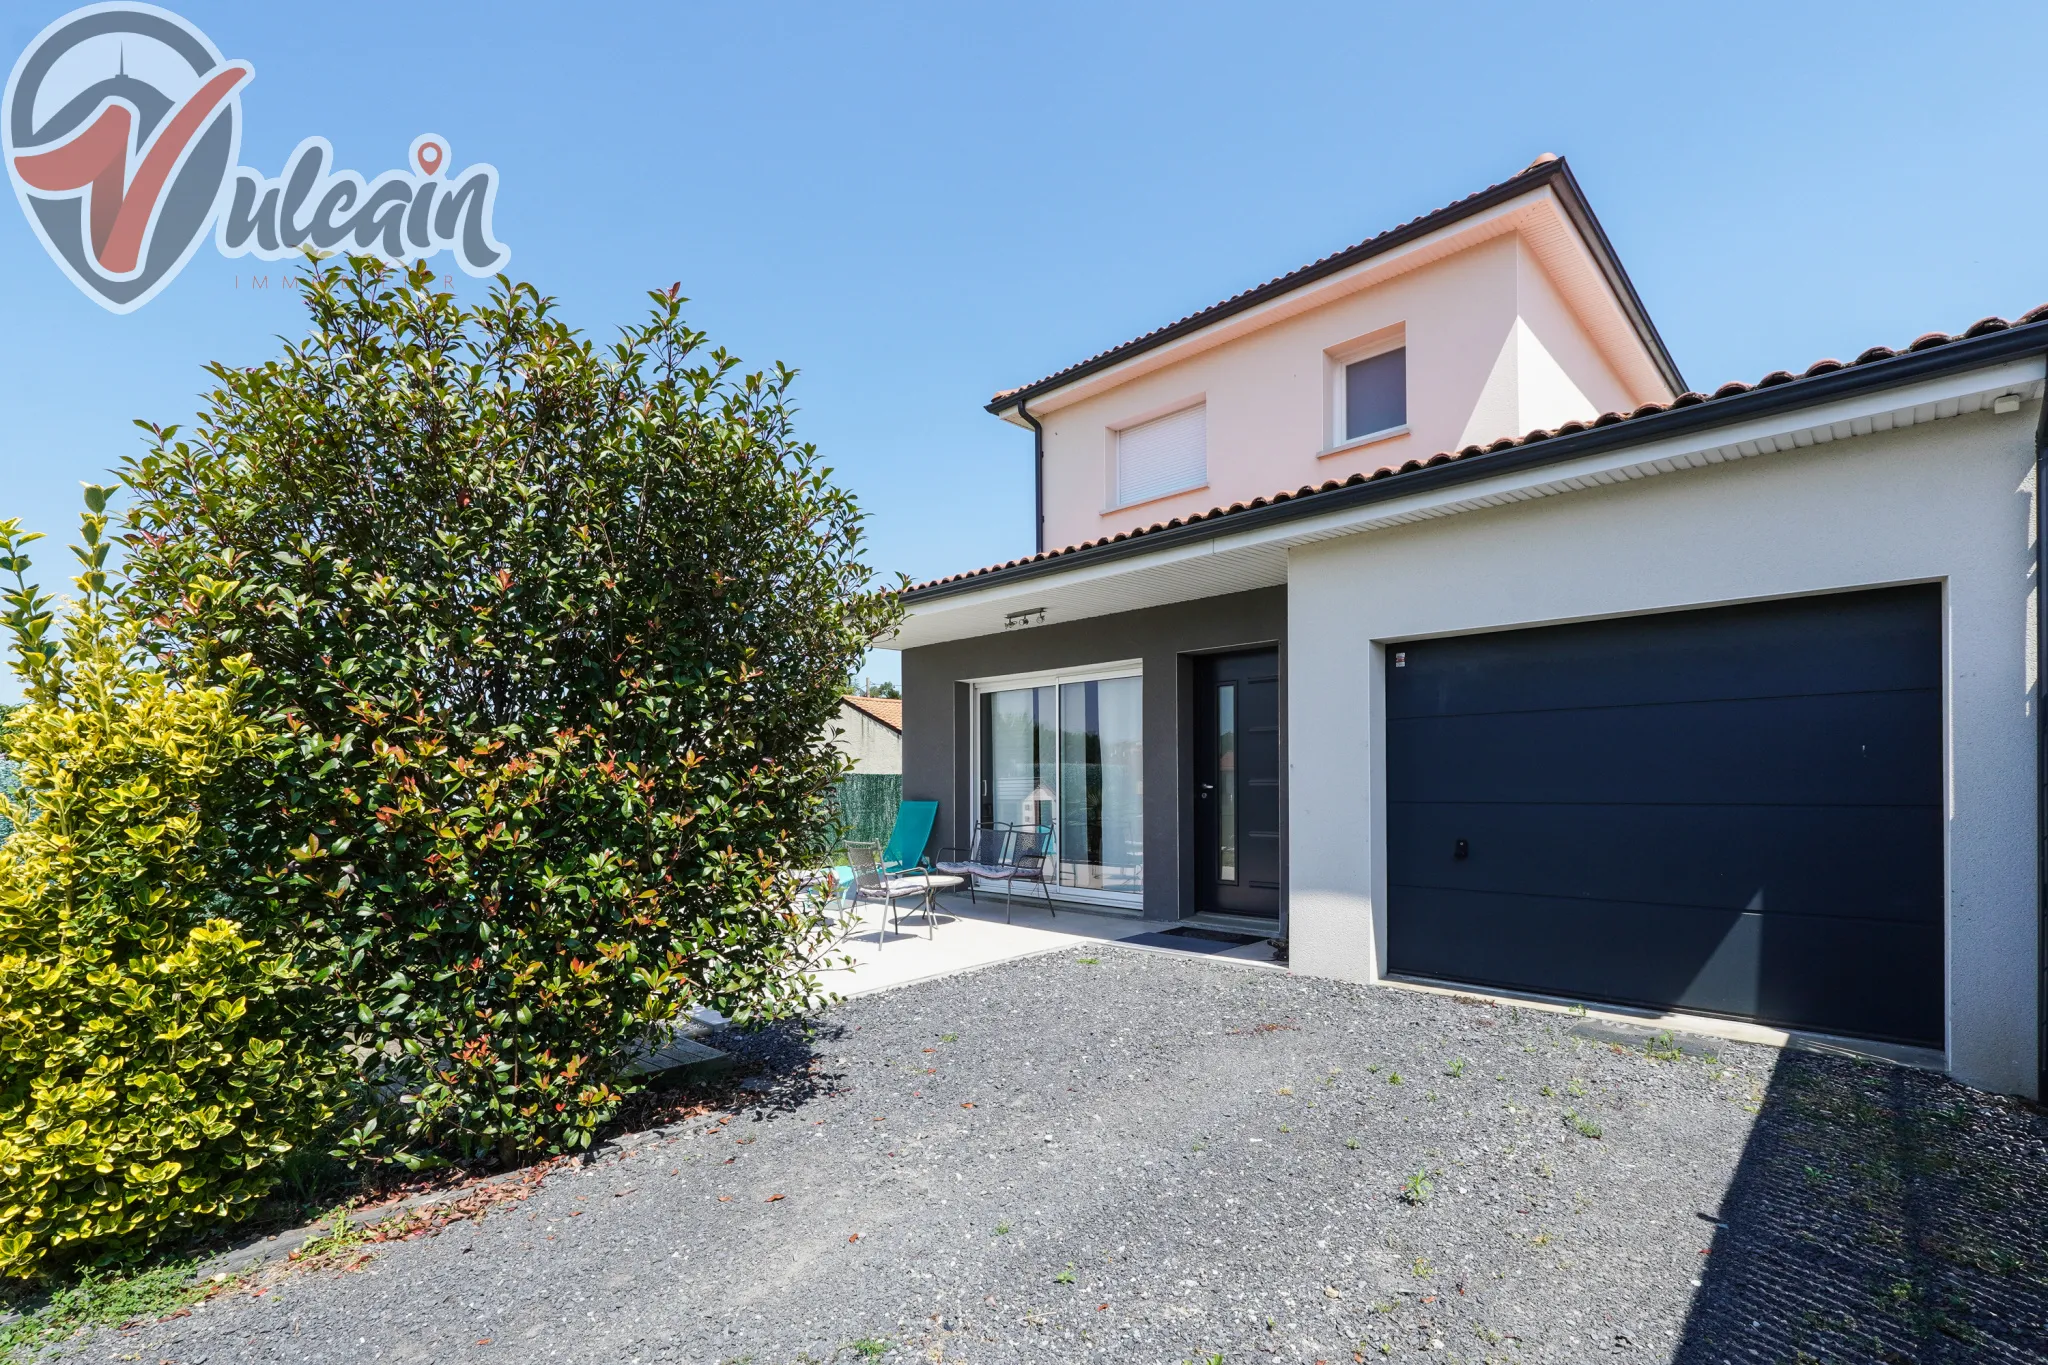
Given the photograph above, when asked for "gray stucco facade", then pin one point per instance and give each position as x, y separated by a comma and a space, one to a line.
938, 713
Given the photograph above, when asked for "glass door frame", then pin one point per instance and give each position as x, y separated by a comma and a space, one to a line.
1055, 678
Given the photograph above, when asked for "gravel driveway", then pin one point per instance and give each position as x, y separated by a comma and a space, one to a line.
1112, 1155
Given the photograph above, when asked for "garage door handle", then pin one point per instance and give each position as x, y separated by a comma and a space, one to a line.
1461, 850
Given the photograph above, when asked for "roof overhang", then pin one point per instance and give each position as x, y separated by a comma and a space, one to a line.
1249, 549
1544, 204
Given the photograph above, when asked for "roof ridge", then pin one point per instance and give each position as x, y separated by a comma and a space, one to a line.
1733, 389
1545, 167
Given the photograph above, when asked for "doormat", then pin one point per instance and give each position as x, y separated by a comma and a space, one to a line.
1187, 938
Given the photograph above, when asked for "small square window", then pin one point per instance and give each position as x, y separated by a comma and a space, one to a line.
1376, 393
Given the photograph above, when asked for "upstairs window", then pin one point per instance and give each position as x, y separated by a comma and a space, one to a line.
1169, 454
1376, 394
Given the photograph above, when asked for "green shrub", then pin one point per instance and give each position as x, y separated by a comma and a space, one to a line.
547, 634
155, 1065
10, 781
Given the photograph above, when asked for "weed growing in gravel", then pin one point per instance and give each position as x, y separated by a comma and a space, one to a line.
1661, 1048
1422, 1269
1585, 1127
1393, 1078
1547, 1092
1065, 1276
949, 1037
1456, 1068
100, 1299
1002, 1229
1352, 1143
1417, 1189
1575, 1087
1541, 1239
341, 1236
871, 1348
1089, 961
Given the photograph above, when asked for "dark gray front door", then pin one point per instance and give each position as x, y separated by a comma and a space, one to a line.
1237, 783
1734, 811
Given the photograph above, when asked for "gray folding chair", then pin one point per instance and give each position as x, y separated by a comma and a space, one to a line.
871, 886
1029, 859
988, 855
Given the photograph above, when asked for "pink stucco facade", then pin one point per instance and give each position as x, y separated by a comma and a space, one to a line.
1509, 323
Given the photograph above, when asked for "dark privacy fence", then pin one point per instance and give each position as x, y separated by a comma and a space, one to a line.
867, 805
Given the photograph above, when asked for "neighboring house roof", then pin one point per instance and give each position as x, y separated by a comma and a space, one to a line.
1546, 169
1987, 340
888, 710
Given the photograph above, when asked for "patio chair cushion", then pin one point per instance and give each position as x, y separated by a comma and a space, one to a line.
893, 888
986, 870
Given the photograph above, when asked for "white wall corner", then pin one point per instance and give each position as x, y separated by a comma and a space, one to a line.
1564, 373
1526, 388
1547, 396
1500, 400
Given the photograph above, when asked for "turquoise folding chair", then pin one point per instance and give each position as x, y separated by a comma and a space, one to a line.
907, 840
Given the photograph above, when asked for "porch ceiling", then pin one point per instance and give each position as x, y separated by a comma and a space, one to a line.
1206, 568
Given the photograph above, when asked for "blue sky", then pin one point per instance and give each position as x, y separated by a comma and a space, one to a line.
917, 206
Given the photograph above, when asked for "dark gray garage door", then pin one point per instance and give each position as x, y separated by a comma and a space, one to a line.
1734, 811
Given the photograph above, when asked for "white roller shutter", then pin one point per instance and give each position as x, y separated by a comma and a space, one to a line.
1162, 456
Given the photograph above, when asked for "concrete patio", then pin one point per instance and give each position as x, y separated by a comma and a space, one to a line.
967, 934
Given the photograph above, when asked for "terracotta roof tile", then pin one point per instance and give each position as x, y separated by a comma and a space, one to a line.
1730, 390
888, 710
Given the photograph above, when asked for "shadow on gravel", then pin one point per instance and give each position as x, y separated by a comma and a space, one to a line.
779, 1068
1880, 1213
773, 1069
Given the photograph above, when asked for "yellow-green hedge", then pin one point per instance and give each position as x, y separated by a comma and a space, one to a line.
155, 1063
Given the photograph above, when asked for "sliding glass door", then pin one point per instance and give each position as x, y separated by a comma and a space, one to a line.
1019, 739
1068, 756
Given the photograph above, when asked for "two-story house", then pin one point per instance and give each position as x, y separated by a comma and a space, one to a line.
1410, 606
